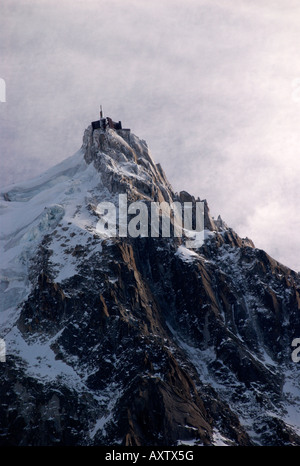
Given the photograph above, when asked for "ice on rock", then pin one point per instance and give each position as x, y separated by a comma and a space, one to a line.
48, 220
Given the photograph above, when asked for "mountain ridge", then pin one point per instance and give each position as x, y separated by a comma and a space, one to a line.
138, 341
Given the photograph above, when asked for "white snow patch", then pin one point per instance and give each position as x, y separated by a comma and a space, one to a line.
219, 440
188, 443
40, 359
100, 424
186, 254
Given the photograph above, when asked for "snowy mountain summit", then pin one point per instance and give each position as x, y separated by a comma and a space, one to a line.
138, 339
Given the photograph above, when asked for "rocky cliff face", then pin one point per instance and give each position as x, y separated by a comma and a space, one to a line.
138, 341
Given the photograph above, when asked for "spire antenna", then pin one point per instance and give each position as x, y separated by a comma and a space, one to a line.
101, 112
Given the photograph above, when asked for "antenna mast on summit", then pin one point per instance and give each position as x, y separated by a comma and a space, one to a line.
101, 112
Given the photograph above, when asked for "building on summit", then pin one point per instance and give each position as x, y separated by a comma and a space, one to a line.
107, 122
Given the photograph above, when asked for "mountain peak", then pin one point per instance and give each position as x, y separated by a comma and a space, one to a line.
125, 163
140, 339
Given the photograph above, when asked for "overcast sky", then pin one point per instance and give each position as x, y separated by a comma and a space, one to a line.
213, 86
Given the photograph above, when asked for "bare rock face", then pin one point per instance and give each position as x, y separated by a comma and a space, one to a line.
126, 165
139, 341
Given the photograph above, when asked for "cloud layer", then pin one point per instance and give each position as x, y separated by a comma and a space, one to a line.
212, 86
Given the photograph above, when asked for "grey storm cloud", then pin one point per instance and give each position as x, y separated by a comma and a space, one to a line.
212, 86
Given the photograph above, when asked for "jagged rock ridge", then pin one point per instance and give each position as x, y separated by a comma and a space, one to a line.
138, 341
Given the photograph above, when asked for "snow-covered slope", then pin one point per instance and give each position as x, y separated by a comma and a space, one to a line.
137, 341
30, 211
62, 196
